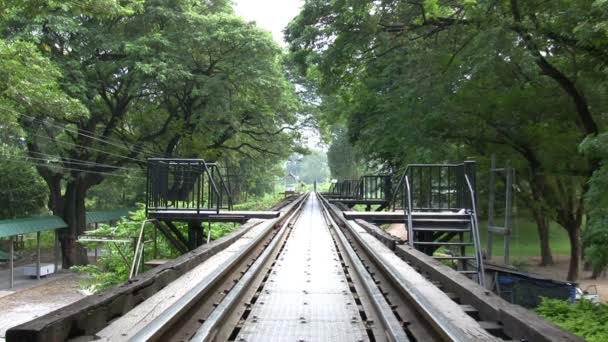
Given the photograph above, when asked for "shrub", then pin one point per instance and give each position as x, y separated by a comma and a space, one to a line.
583, 318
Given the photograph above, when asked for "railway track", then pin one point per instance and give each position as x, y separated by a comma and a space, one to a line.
309, 275
303, 281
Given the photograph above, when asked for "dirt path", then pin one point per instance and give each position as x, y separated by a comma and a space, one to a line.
25, 305
398, 230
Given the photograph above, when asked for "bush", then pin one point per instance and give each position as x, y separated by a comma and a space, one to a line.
112, 268
583, 318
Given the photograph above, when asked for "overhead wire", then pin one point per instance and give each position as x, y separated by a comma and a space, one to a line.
83, 147
80, 161
89, 134
77, 162
69, 168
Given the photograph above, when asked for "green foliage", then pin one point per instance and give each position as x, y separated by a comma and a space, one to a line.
117, 192
114, 263
112, 268
259, 202
98, 279
343, 159
582, 318
29, 83
440, 81
595, 237
96, 87
22, 191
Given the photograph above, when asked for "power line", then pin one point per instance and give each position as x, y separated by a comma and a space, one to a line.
81, 162
70, 168
81, 131
77, 162
81, 146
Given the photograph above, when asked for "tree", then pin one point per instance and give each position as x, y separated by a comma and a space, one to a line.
342, 157
595, 237
440, 81
124, 80
22, 191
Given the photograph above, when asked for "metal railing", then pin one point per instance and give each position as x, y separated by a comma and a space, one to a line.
364, 188
475, 233
376, 187
435, 186
185, 184
138, 255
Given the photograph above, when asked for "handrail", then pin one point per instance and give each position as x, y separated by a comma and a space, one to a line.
410, 226
223, 183
407, 169
137, 255
212, 181
394, 199
475, 224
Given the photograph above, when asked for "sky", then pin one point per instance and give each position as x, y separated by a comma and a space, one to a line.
271, 15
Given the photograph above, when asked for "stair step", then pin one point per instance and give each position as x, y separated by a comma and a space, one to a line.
443, 243
453, 296
491, 326
440, 220
438, 214
453, 257
469, 309
439, 223
468, 272
441, 229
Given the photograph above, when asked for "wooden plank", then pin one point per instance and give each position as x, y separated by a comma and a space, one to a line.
518, 322
386, 238
156, 262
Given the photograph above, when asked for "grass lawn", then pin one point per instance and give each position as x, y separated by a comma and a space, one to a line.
524, 239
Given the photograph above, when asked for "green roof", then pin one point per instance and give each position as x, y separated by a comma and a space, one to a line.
41, 223
106, 216
30, 225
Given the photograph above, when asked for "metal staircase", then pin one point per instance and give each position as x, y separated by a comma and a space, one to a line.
439, 204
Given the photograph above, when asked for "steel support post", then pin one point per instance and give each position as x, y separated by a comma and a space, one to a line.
11, 252
491, 205
38, 255
56, 251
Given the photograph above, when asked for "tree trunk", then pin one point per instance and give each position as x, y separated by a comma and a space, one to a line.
574, 234
546, 257
71, 208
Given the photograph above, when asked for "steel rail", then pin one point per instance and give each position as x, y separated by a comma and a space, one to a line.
163, 322
393, 328
209, 328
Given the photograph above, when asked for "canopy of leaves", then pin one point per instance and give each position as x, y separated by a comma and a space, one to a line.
98, 85
22, 191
